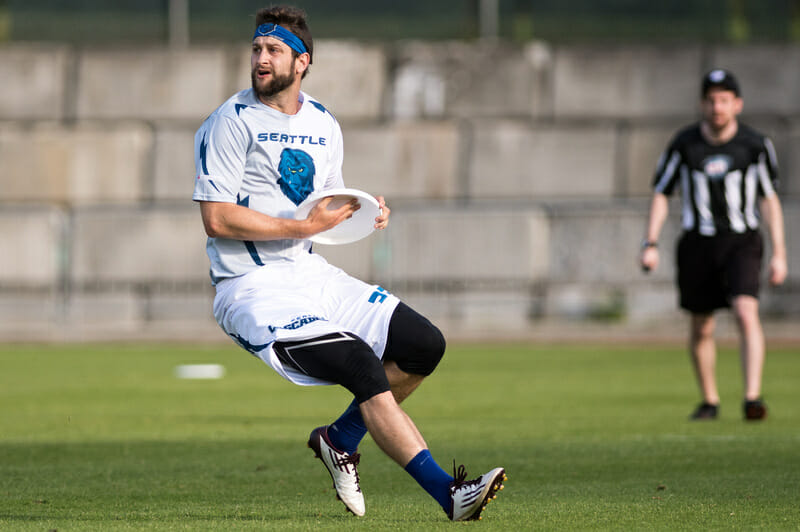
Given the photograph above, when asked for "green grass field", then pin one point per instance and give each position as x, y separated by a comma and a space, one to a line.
105, 438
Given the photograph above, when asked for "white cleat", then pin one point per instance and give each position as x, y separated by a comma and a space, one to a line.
342, 468
469, 498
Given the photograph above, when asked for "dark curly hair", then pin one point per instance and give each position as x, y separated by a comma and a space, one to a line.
293, 19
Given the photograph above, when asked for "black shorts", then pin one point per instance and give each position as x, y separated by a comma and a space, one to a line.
712, 270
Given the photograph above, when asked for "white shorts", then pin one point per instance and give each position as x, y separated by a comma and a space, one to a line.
306, 298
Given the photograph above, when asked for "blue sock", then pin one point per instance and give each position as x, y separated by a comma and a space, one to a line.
347, 432
431, 477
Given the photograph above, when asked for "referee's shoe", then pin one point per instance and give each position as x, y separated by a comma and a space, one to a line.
755, 410
705, 411
342, 468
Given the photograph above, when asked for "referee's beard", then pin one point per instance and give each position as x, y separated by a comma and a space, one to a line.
277, 84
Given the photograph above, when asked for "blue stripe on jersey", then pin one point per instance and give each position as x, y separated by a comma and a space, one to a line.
254, 349
251, 248
319, 106
203, 147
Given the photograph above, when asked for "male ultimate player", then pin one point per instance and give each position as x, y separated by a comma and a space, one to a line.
258, 156
723, 168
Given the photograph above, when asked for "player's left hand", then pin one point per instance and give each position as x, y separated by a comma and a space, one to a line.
383, 220
777, 270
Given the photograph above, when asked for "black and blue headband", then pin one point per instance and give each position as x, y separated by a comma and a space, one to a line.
282, 34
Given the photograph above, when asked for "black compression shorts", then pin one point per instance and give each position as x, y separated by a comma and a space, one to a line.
413, 342
341, 358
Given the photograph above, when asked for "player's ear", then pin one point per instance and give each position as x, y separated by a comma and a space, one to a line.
738, 105
301, 63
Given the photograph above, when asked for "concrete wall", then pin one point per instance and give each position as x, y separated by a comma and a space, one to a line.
519, 179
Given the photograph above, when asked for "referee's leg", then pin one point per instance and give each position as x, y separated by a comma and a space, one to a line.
703, 350
752, 347
744, 271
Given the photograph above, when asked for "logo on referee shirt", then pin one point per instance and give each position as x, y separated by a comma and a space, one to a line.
717, 166
297, 174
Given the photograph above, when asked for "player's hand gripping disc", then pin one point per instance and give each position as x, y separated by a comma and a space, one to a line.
359, 226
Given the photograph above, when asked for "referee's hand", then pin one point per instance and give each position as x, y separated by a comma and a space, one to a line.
649, 259
777, 270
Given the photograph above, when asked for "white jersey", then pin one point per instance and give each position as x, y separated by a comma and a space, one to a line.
255, 156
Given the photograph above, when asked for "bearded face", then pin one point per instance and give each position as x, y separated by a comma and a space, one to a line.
720, 107
277, 82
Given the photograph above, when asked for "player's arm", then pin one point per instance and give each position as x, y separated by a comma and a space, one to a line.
229, 220
773, 215
659, 209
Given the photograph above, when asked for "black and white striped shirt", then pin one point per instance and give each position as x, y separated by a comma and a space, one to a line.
720, 185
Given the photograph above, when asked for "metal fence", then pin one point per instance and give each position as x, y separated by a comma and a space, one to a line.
213, 21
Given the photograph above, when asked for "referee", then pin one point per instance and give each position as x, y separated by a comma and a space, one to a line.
727, 173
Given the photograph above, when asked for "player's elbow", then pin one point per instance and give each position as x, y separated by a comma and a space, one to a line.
213, 224
213, 220
214, 227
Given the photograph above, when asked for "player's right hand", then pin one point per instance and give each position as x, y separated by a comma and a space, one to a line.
321, 218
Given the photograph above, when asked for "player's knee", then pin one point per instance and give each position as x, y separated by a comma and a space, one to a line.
415, 344
430, 347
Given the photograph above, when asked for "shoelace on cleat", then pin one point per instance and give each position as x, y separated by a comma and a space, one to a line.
344, 462
460, 474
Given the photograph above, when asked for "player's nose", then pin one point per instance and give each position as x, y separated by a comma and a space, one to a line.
262, 59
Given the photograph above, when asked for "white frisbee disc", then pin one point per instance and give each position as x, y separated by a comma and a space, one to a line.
359, 226
200, 371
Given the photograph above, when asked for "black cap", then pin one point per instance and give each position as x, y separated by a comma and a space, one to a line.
720, 79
